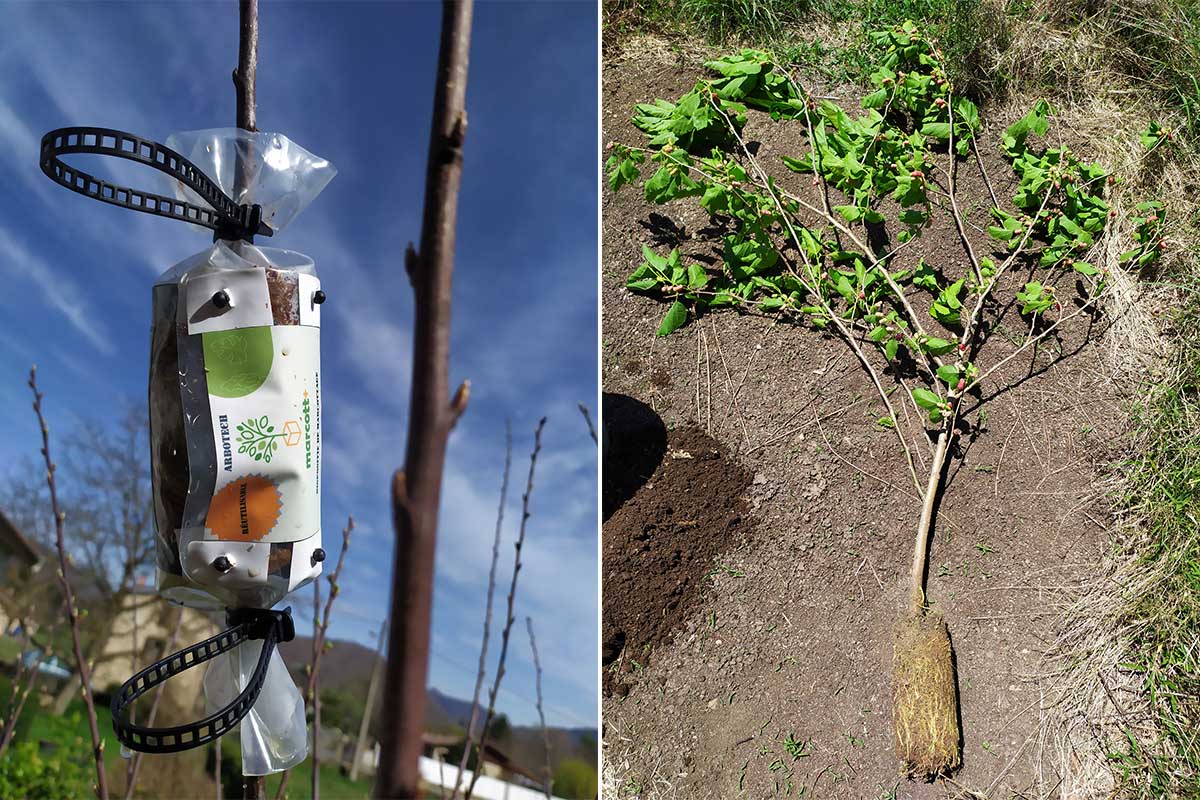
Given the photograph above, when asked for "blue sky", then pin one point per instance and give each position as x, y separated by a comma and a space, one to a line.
352, 83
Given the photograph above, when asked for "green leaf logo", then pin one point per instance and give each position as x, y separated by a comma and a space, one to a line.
257, 438
237, 361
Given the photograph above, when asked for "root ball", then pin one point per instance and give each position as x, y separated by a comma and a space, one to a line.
925, 698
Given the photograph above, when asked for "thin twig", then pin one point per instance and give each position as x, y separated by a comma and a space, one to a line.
587, 417
537, 668
24, 679
487, 616
320, 627
837, 320
216, 745
481, 740
314, 694
245, 77
135, 763
416, 490
68, 592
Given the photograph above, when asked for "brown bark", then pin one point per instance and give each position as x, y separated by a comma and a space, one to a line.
416, 490
246, 75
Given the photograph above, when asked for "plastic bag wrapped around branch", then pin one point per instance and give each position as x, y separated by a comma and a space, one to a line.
235, 423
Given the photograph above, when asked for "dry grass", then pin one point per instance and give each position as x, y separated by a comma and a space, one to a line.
1115, 715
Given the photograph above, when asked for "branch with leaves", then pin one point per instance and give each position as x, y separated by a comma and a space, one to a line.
918, 328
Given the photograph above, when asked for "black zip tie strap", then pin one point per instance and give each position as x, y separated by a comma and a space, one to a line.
228, 219
272, 627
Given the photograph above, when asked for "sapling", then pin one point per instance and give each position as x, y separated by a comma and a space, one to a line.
920, 327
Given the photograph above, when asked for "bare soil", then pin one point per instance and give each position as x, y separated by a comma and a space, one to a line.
772, 676
663, 541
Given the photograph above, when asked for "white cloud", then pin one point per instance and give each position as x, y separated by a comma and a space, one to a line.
56, 289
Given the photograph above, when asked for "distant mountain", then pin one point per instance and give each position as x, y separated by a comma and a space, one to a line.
349, 665
457, 712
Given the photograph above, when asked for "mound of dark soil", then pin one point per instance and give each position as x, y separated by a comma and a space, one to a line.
663, 540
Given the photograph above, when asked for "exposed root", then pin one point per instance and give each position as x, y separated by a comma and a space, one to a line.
925, 698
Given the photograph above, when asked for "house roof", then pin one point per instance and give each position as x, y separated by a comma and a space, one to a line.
12, 540
491, 753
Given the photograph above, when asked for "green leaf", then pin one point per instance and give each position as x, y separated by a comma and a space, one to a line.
946, 308
937, 130
623, 171
890, 348
935, 346
925, 398
885, 422
850, 213
1084, 268
876, 99
653, 259
948, 373
677, 314
925, 277
966, 112
697, 277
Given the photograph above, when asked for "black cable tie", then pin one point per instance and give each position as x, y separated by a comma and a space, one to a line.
272, 627
228, 219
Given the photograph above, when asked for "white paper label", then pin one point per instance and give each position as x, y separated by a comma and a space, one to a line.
264, 387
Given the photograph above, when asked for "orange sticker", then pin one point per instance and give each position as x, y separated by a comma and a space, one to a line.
244, 511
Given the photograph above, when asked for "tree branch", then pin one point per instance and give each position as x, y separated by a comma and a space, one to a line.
416, 490
245, 77
68, 594
481, 740
587, 417
311, 692
487, 617
537, 667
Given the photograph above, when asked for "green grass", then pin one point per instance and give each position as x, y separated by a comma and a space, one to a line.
10, 648
38, 724
970, 35
334, 785
1164, 491
44, 726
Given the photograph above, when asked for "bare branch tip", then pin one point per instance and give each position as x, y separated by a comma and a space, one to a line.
411, 262
458, 133
459, 402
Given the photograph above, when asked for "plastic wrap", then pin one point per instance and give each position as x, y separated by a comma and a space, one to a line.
235, 423
274, 734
